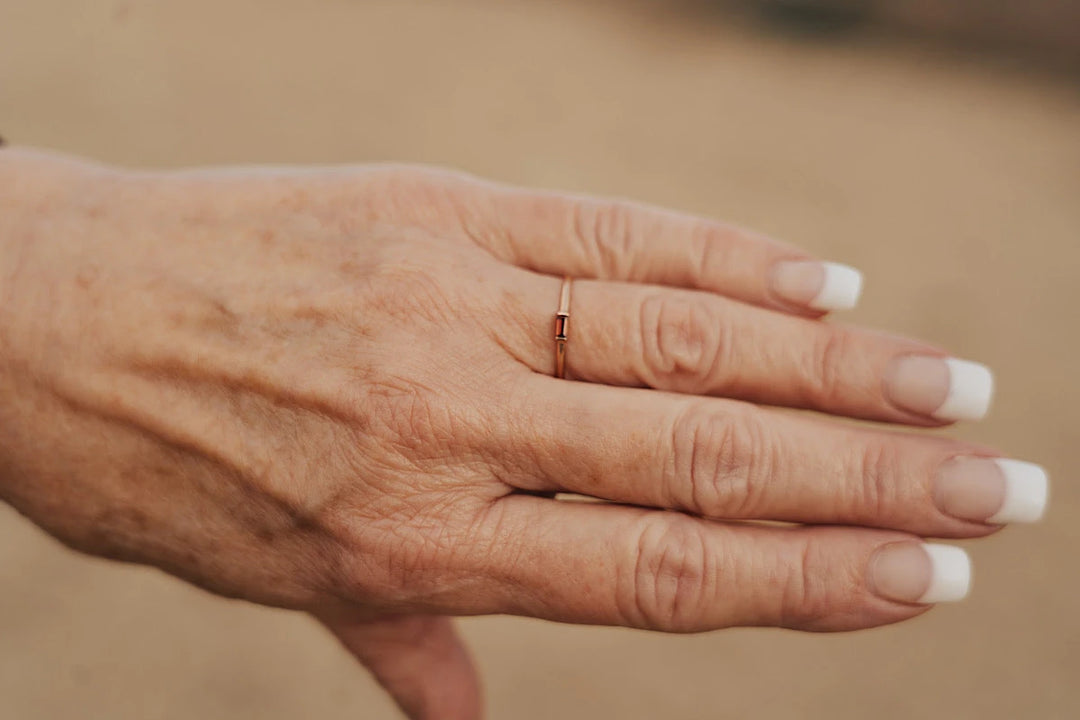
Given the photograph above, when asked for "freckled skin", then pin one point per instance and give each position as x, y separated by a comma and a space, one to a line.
249, 375
329, 391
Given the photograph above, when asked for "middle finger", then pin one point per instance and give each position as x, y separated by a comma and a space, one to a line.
734, 461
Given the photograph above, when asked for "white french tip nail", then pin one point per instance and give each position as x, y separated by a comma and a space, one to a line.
841, 289
1027, 490
951, 579
971, 387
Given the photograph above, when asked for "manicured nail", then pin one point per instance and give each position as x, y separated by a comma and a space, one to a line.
944, 388
920, 572
992, 490
819, 285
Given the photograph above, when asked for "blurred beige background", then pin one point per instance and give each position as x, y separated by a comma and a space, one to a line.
951, 179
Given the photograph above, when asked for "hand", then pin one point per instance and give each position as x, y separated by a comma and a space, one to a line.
330, 390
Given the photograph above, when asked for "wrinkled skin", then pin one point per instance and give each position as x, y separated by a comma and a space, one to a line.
330, 390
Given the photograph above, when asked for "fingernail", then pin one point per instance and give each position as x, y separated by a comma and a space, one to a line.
944, 388
992, 490
819, 285
920, 572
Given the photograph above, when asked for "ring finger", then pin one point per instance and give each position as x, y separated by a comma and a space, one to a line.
697, 342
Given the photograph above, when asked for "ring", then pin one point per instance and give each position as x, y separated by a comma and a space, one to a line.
562, 328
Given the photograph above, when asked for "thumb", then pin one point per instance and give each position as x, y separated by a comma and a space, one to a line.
420, 660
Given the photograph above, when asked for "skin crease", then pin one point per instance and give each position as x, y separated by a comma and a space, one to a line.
326, 390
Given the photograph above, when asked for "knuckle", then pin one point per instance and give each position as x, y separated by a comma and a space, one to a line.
405, 415
683, 342
607, 234
398, 554
722, 462
671, 579
715, 249
405, 292
878, 469
806, 597
396, 191
831, 364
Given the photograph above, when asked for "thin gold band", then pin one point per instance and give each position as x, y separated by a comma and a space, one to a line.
562, 328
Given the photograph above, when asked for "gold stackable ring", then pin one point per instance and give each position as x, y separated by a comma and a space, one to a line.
562, 328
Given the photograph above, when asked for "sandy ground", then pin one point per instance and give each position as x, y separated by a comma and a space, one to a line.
953, 183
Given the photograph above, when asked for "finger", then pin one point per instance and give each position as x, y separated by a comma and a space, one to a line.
587, 237
730, 460
694, 342
607, 564
421, 662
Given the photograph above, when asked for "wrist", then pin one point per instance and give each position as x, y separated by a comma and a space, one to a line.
38, 192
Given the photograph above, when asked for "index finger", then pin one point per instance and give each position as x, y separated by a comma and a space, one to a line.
617, 565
